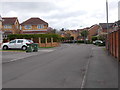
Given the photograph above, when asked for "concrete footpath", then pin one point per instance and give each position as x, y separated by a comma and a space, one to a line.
102, 70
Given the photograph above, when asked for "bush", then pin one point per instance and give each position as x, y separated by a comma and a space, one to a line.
88, 42
55, 37
80, 41
94, 38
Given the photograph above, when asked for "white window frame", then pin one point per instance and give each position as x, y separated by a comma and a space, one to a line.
30, 27
40, 26
8, 26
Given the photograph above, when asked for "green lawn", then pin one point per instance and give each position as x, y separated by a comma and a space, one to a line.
13, 50
46, 47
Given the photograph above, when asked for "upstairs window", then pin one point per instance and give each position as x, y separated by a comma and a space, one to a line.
40, 26
28, 27
8, 26
17, 26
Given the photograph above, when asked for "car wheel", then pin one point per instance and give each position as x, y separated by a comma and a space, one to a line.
5, 47
24, 48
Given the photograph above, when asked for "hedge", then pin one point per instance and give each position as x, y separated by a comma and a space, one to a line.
55, 37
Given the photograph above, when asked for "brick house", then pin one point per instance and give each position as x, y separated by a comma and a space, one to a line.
73, 33
93, 31
80, 37
103, 26
34, 26
10, 25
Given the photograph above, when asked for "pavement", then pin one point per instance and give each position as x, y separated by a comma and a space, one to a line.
102, 70
68, 66
11, 56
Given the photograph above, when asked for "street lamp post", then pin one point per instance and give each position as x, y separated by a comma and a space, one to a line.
107, 26
1, 40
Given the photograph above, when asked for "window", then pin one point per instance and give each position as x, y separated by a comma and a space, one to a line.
30, 41
20, 41
17, 26
28, 26
40, 26
13, 41
7, 26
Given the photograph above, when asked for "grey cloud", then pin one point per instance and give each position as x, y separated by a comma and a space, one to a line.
64, 15
98, 14
29, 6
68, 23
56, 16
112, 5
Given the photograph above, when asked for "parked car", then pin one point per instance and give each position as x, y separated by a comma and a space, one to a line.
97, 41
17, 44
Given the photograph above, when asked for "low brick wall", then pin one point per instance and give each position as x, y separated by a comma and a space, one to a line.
54, 44
46, 44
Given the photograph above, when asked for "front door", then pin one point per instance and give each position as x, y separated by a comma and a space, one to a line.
12, 44
19, 43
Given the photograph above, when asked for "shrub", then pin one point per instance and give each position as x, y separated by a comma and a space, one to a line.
94, 38
80, 41
55, 37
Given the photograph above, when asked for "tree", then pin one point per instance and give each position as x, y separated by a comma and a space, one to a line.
51, 30
68, 35
102, 37
94, 38
62, 29
84, 34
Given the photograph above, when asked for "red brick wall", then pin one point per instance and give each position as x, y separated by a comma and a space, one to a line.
54, 44
93, 31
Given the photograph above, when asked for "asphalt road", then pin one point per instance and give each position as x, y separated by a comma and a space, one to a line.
69, 66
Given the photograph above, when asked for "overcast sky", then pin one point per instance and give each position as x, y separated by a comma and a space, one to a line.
69, 14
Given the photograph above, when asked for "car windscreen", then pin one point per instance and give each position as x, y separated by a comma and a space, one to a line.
30, 41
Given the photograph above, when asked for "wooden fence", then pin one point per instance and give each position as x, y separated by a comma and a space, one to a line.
114, 44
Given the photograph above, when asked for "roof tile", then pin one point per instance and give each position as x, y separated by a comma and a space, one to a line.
34, 21
9, 20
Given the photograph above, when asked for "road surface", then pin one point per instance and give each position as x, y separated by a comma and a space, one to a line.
69, 66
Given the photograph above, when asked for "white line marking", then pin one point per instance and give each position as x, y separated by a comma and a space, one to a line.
85, 75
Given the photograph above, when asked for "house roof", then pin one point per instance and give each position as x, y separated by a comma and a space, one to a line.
104, 25
118, 22
73, 30
9, 20
34, 21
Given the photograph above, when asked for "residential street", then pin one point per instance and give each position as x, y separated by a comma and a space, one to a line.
68, 66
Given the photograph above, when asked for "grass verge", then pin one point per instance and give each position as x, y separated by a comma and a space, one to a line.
12, 50
46, 47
